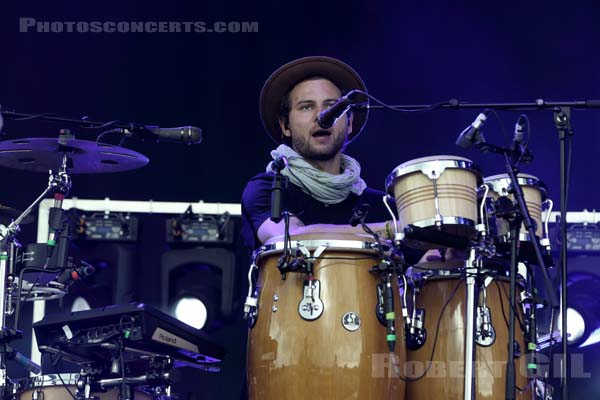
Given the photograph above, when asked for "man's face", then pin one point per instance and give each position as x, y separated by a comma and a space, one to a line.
307, 100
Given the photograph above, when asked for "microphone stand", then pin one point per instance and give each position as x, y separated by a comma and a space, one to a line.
562, 121
561, 111
519, 215
280, 184
127, 129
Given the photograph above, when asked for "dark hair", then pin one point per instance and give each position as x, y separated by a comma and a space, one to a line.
285, 106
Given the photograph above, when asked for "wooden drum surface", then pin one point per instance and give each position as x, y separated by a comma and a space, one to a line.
412, 186
293, 358
445, 378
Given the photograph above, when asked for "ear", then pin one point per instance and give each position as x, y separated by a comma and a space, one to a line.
285, 127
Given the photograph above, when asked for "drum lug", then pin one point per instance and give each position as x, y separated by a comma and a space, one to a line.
311, 306
416, 334
433, 171
485, 334
251, 304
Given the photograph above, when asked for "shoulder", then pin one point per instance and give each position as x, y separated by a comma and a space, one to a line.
371, 195
257, 184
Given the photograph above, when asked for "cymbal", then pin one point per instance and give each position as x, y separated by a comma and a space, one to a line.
83, 156
8, 214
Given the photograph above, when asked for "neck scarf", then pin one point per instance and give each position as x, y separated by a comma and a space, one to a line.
323, 186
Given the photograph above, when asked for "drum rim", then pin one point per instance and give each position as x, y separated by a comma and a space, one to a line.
334, 244
454, 162
523, 237
49, 380
425, 223
523, 179
438, 274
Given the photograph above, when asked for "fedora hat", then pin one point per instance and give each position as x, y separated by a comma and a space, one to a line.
287, 76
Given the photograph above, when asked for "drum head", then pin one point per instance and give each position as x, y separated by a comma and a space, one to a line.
500, 183
424, 164
333, 242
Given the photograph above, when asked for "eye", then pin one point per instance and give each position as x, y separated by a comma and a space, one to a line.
306, 107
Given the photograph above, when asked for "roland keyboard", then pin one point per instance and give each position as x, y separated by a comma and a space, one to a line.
142, 330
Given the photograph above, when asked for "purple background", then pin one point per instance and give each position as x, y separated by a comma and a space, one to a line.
406, 53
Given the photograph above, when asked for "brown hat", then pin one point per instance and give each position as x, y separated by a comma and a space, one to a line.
287, 76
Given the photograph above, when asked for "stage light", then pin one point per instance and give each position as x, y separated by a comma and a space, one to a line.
575, 325
191, 310
583, 313
80, 304
199, 286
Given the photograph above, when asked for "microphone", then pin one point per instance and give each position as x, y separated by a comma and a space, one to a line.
280, 183
72, 274
182, 134
55, 222
26, 363
359, 213
327, 118
279, 164
468, 136
388, 308
519, 134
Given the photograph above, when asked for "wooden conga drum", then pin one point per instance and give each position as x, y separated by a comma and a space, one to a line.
335, 347
445, 377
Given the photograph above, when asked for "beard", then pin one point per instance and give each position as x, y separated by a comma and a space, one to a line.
304, 147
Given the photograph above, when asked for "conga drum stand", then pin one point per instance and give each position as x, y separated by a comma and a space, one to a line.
472, 268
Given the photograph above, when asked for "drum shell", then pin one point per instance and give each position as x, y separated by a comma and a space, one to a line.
446, 378
534, 193
414, 193
292, 358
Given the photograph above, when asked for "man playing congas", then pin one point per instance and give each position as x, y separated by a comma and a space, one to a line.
318, 334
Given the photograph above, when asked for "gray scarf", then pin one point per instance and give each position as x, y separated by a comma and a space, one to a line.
323, 186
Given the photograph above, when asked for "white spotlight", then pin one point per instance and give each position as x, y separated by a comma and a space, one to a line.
575, 325
191, 311
80, 304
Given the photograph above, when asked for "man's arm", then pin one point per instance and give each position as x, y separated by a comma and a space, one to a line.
270, 230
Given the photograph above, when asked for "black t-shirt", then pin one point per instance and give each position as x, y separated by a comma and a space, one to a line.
256, 207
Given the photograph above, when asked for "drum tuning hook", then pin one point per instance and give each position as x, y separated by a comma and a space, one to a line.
482, 226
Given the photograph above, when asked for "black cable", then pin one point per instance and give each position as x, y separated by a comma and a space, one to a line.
502, 306
526, 144
54, 364
519, 320
501, 123
437, 331
121, 358
394, 108
34, 117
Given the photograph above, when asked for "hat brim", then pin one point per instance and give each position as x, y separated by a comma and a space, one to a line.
287, 76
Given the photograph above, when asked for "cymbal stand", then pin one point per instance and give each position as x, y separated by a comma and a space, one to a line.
58, 183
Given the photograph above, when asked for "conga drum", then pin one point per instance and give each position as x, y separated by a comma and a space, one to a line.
323, 337
436, 192
442, 296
